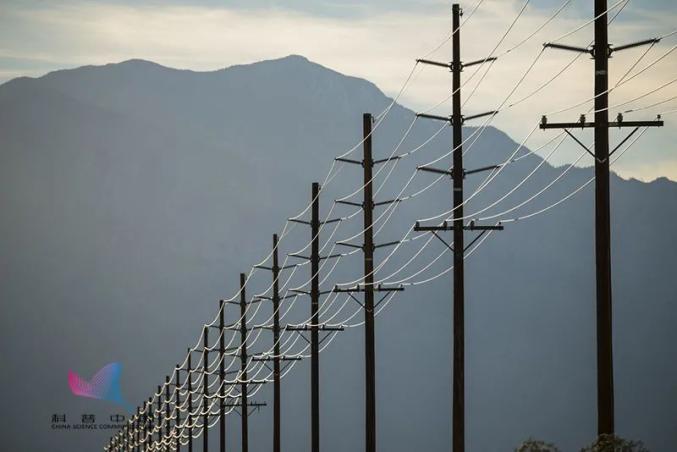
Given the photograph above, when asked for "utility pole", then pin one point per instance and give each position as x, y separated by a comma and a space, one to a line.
189, 382
222, 377
144, 426
601, 51
137, 428
315, 319
167, 412
160, 421
243, 363
314, 326
244, 383
276, 358
149, 436
178, 410
368, 288
457, 174
205, 389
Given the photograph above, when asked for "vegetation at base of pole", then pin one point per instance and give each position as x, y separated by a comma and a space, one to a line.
613, 443
534, 445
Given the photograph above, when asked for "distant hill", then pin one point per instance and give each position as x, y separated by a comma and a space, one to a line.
134, 194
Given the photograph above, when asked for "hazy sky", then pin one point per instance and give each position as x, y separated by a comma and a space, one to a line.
378, 40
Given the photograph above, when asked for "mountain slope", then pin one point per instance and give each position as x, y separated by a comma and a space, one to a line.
134, 194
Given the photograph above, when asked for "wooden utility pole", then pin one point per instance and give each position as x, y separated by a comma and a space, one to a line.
167, 413
177, 445
190, 401
314, 326
457, 174
159, 417
601, 51
277, 359
222, 377
243, 364
368, 288
205, 389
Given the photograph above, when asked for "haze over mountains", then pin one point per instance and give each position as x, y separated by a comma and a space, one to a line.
134, 194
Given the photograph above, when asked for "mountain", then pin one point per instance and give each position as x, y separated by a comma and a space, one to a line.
134, 194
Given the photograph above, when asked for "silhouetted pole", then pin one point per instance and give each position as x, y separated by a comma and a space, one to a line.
222, 377
137, 430
458, 414
276, 348
178, 410
167, 413
191, 418
314, 309
369, 353
243, 363
159, 417
605, 375
149, 438
205, 390
144, 427
276, 358
368, 247
459, 248
601, 50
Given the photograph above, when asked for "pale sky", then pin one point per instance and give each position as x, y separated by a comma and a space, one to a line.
378, 40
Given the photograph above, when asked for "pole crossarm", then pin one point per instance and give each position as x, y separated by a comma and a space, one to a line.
252, 301
436, 170
299, 256
635, 44
588, 124
389, 201
345, 160
386, 160
272, 269
620, 123
553, 45
364, 246
350, 203
473, 63
451, 64
610, 49
435, 63
482, 169
306, 292
273, 358
472, 226
363, 288
310, 327
479, 115
267, 298
249, 404
450, 119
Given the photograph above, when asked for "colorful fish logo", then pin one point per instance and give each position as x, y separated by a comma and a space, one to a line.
104, 385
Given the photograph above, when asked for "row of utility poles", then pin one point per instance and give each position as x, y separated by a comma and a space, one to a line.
142, 426
137, 434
